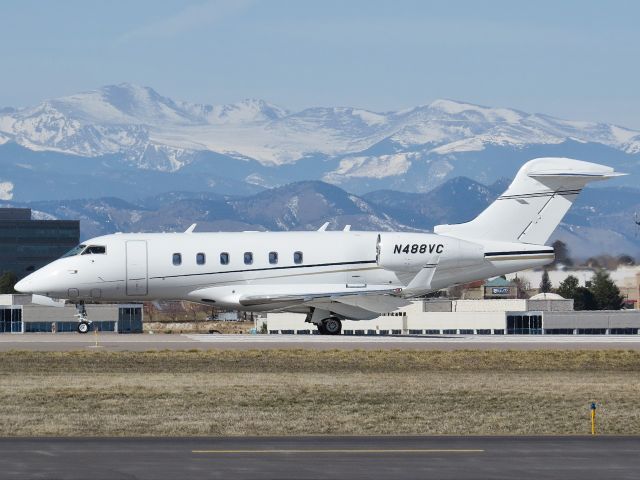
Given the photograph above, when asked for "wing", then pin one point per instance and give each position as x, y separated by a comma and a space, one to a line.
362, 302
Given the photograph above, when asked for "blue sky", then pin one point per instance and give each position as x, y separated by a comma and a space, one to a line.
573, 59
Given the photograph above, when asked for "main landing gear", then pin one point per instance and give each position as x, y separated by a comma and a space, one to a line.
84, 324
330, 326
326, 321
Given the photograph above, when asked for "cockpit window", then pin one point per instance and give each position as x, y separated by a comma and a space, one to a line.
95, 249
74, 251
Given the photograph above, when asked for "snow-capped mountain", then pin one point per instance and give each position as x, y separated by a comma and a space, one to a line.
128, 118
254, 143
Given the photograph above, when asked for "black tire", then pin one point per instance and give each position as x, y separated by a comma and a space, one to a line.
321, 329
83, 327
332, 326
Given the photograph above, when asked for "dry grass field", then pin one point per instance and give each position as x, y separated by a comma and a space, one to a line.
314, 392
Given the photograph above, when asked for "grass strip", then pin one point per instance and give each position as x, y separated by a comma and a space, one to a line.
288, 392
279, 361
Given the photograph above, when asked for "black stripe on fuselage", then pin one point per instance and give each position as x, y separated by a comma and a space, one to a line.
516, 252
360, 262
541, 194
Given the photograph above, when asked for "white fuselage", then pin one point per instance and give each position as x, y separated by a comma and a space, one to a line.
143, 266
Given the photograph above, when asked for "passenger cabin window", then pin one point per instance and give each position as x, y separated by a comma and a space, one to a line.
201, 258
248, 258
74, 251
297, 258
224, 258
95, 250
273, 258
177, 259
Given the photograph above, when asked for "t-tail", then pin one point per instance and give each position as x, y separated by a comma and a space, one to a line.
534, 204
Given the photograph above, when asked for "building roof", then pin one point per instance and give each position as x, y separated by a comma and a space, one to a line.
498, 282
547, 296
15, 214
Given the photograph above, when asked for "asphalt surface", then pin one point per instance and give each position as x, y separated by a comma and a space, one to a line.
322, 458
143, 342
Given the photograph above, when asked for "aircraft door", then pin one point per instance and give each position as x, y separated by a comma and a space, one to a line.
137, 282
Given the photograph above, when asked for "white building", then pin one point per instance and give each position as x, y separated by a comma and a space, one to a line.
541, 314
19, 315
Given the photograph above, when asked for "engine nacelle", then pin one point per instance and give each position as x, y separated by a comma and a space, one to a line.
409, 252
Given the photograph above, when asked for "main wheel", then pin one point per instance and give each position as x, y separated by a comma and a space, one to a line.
332, 326
321, 329
83, 327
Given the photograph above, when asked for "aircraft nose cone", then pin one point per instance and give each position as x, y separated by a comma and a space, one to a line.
23, 286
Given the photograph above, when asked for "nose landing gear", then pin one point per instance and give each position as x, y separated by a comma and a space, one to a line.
84, 324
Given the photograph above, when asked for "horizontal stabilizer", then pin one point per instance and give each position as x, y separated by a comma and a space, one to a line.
585, 176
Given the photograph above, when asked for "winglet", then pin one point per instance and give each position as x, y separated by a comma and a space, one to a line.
191, 228
323, 227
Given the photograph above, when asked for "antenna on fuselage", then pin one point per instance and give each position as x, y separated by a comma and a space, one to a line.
346, 228
323, 227
191, 228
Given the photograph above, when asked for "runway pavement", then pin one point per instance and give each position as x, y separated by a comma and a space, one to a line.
322, 458
142, 342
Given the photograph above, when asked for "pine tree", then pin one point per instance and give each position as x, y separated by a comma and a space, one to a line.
583, 298
606, 294
568, 287
545, 283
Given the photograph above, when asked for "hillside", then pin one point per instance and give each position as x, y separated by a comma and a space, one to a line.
601, 221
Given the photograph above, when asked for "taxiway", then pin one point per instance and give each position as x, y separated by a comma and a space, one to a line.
322, 457
142, 342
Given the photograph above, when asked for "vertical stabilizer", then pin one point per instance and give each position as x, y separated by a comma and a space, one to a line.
534, 204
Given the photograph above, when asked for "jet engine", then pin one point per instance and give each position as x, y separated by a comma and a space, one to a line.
409, 252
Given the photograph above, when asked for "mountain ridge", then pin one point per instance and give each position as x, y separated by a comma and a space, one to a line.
601, 220
388, 170
152, 131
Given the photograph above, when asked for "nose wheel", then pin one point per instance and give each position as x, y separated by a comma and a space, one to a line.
83, 327
84, 324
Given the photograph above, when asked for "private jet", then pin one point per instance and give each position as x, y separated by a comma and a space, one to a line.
328, 275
